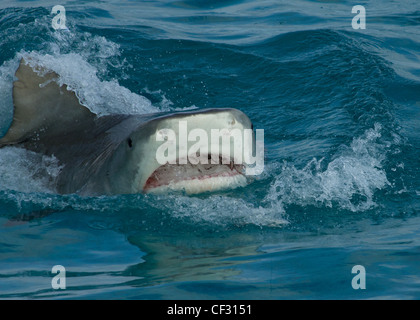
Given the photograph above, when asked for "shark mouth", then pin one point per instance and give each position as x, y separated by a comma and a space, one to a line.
196, 178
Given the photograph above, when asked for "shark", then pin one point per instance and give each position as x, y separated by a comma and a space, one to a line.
117, 153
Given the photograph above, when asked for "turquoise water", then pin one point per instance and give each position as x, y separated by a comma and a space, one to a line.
340, 110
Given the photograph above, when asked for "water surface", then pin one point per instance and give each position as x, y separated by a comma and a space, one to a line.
340, 110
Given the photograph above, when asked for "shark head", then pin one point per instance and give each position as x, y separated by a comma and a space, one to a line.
192, 152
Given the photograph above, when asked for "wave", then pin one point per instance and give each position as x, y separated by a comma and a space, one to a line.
348, 182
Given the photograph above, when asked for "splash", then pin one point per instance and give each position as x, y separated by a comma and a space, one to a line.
221, 210
349, 181
100, 96
6, 101
83, 61
26, 171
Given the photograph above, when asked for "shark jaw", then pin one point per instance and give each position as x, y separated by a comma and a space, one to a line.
196, 178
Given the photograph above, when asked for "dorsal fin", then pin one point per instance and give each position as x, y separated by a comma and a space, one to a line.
41, 107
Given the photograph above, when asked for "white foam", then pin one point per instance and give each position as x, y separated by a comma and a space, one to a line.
349, 180
220, 210
100, 96
7, 71
26, 171
82, 61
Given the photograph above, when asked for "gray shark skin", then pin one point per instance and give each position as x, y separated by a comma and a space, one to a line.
113, 154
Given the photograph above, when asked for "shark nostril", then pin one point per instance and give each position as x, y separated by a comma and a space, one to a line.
130, 143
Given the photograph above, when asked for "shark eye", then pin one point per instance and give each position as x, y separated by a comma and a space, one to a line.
130, 143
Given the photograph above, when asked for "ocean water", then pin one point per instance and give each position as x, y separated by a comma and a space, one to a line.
340, 108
